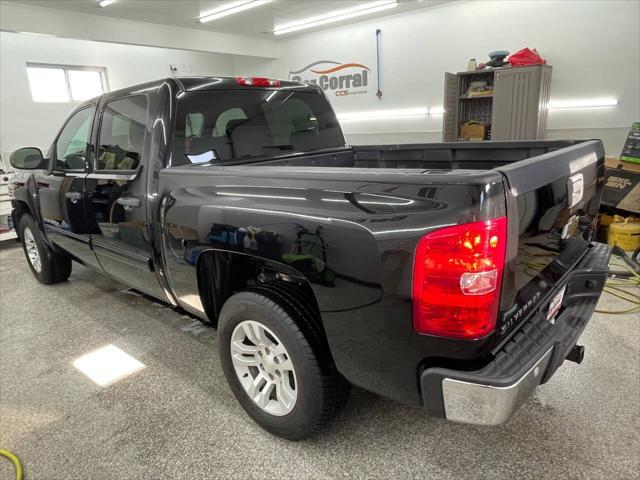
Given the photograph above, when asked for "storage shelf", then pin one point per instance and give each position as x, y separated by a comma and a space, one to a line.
510, 101
487, 71
472, 97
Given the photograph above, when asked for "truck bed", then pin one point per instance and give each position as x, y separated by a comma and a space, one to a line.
426, 156
366, 208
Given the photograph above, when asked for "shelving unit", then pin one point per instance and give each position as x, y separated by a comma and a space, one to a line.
516, 108
473, 97
5, 208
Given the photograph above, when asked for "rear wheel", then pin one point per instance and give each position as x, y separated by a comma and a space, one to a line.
46, 265
263, 367
271, 366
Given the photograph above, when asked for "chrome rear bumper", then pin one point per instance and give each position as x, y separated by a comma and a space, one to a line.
483, 404
530, 357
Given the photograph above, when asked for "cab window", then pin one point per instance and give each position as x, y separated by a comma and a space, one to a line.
122, 134
71, 146
218, 126
222, 122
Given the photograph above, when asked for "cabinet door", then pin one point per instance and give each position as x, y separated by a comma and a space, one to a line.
450, 117
516, 104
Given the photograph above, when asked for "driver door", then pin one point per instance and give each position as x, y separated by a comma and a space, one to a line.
61, 191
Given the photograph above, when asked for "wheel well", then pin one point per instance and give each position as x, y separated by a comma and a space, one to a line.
19, 209
220, 274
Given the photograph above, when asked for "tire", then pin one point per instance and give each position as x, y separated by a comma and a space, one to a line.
46, 265
320, 391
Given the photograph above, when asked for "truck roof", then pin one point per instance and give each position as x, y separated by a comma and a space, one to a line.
227, 83
207, 83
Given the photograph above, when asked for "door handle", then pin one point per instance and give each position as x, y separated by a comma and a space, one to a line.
129, 203
73, 196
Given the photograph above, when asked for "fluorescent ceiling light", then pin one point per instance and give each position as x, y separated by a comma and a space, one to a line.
420, 112
335, 16
107, 365
582, 103
383, 114
105, 3
230, 9
37, 34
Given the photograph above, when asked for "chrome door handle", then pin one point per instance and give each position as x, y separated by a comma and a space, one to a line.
129, 203
73, 197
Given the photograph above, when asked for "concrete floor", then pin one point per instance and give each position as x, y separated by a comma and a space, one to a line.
177, 419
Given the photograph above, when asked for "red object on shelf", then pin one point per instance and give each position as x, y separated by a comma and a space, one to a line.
526, 57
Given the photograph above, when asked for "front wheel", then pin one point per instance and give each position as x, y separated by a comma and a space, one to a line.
46, 265
271, 366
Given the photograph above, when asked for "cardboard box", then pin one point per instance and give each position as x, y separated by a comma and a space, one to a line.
621, 185
473, 131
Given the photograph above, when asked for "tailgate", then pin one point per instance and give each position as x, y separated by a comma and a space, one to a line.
552, 207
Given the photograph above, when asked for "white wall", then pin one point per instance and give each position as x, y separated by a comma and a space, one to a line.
594, 47
248, 66
27, 123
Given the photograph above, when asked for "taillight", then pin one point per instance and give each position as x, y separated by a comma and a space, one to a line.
257, 82
456, 279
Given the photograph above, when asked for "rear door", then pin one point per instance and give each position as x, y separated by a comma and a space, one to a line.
115, 192
61, 191
552, 204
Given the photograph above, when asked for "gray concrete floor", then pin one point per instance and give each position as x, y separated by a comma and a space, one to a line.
177, 419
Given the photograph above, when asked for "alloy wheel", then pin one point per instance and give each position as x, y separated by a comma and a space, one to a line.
32, 250
264, 367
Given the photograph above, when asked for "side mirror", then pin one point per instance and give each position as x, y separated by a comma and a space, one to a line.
29, 158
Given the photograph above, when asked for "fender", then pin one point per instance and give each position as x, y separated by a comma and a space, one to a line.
30, 196
33, 200
221, 272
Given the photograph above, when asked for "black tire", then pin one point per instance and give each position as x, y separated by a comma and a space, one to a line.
54, 267
321, 390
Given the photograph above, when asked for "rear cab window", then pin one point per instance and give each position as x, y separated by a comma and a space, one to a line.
218, 126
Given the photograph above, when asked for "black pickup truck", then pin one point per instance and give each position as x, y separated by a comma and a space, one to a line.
455, 277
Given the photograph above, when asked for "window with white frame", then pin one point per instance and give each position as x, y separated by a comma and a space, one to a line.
65, 83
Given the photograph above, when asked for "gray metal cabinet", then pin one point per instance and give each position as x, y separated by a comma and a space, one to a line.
450, 117
515, 108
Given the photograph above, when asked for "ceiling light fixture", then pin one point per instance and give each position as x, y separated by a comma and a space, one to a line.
105, 3
335, 16
582, 103
230, 9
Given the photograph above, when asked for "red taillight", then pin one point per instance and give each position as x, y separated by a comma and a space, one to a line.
257, 82
456, 279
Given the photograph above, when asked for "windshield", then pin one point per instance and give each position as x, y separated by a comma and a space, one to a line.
213, 127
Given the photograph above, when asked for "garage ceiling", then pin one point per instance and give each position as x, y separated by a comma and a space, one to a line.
255, 22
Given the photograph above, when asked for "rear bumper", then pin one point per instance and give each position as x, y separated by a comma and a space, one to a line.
490, 396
